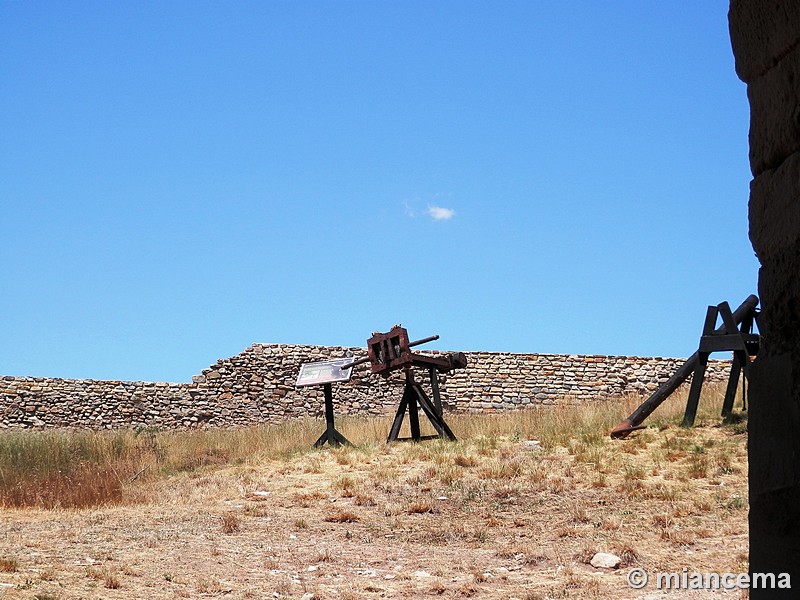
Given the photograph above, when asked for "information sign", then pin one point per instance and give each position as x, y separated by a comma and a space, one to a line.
326, 371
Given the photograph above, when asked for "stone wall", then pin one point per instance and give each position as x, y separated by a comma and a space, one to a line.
257, 386
766, 44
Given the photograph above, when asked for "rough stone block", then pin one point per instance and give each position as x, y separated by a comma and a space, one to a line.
775, 114
761, 33
775, 209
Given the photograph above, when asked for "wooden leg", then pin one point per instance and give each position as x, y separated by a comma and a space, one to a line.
733, 383
433, 416
694, 391
333, 437
398, 417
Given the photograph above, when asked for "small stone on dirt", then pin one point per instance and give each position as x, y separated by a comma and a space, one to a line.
421, 574
604, 560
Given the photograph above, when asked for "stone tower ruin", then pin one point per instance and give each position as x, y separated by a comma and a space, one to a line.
765, 36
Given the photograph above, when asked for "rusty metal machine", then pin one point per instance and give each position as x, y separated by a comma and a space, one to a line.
391, 351
735, 334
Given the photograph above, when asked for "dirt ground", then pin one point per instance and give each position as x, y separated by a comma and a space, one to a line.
482, 518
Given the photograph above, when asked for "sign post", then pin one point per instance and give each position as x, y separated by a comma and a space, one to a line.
326, 373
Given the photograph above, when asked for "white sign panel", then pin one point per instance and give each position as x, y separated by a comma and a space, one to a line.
326, 371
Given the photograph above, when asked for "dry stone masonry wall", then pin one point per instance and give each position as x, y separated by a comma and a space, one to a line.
257, 386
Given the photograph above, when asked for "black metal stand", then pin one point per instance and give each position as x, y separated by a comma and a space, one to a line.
740, 340
414, 397
333, 437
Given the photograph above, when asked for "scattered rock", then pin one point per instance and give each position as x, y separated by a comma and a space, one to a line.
421, 574
604, 560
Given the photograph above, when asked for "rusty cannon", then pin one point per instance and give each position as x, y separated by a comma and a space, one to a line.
386, 353
391, 351
735, 334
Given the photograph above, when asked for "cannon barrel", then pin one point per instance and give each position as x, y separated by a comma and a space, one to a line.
365, 359
633, 422
430, 338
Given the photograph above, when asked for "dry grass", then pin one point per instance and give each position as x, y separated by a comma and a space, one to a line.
8, 565
80, 469
257, 513
342, 516
230, 523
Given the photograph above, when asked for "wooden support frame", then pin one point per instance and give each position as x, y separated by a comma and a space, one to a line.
414, 398
739, 340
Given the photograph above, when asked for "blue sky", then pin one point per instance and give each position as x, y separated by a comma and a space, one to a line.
182, 179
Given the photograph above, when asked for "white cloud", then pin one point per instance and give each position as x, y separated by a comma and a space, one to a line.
437, 213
